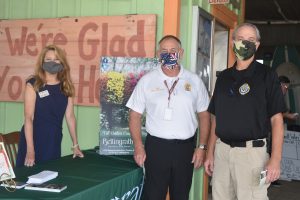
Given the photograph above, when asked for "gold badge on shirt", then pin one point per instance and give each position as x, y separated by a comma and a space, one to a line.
187, 87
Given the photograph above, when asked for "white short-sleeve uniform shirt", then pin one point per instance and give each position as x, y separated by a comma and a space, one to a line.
188, 98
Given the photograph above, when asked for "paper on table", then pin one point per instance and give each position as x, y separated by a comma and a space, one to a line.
42, 177
46, 187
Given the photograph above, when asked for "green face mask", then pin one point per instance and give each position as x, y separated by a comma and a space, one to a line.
244, 49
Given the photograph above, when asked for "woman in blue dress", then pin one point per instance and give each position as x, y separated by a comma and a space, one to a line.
48, 98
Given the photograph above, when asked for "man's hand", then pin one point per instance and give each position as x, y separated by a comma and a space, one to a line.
139, 155
209, 165
198, 157
273, 168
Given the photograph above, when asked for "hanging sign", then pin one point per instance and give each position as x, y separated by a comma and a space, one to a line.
84, 39
218, 1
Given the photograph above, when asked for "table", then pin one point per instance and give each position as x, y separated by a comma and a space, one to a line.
93, 177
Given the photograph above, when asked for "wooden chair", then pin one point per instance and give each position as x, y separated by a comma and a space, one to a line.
11, 141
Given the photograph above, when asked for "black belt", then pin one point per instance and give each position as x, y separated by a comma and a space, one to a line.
255, 143
172, 141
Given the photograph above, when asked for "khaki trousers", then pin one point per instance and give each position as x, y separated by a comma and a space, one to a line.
237, 171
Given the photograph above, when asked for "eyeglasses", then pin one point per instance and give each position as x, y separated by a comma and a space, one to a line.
286, 86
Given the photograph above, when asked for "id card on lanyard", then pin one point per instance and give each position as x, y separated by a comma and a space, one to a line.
169, 111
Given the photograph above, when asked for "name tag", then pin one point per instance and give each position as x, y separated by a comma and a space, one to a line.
44, 93
168, 114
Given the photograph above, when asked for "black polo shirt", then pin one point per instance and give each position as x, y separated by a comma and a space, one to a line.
244, 101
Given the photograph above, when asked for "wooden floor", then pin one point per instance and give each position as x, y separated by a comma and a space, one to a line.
288, 190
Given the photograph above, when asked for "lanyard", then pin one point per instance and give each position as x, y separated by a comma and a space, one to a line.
171, 89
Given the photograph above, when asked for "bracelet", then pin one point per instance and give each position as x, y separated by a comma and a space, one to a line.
73, 147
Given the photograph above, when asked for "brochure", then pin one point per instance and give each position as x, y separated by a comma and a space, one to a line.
42, 177
48, 187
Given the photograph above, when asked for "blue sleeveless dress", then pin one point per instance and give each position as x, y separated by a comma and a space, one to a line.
50, 108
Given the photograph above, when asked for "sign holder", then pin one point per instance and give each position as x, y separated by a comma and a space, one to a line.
7, 172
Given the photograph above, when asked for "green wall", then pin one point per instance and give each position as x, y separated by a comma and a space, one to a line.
186, 39
11, 114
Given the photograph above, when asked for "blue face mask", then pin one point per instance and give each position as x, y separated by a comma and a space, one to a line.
169, 60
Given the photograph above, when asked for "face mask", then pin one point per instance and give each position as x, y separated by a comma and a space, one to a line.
169, 60
244, 49
52, 67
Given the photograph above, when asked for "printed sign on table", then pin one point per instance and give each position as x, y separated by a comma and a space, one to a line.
6, 171
118, 78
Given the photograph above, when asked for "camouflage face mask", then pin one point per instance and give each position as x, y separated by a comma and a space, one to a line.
244, 49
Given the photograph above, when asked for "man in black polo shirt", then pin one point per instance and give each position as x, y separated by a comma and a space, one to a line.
247, 103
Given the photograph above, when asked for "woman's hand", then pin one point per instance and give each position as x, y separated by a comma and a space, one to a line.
29, 159
77, 152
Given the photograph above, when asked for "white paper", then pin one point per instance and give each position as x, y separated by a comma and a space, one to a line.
46, 187
42, 177
19, 185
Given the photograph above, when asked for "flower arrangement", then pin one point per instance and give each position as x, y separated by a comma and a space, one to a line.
115, 90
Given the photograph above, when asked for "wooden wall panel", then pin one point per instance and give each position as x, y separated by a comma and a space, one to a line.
85, 40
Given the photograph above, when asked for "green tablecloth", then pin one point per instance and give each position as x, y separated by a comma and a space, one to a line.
93, 177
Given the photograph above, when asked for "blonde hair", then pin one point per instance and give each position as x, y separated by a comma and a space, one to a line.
64, 76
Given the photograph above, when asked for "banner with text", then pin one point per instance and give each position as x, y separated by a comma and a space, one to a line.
118, 78
84, 40
290, 162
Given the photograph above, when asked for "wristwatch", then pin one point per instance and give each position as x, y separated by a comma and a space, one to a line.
202, 146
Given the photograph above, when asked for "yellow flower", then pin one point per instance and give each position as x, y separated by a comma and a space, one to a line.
115, 87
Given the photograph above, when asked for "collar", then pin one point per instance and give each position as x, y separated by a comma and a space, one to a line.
248, 72
181, 73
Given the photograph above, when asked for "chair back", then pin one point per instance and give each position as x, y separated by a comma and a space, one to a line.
11, 141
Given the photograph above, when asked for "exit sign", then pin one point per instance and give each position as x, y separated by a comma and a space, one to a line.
218, 1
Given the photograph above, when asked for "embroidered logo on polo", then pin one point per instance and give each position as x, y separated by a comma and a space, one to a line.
244, 89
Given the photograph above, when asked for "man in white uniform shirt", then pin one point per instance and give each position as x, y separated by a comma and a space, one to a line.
175, 101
